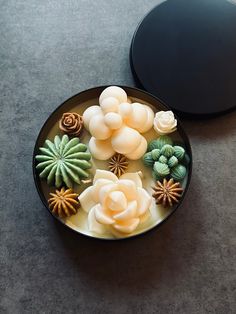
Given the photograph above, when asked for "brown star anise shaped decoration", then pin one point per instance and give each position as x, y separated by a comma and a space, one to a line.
167, 193
118, 164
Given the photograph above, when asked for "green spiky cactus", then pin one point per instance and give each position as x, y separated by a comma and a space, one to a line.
63, 161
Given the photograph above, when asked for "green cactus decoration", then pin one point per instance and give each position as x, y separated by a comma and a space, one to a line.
159, 143
179, 152
166, 159
155, 153
162, 170
167, 150
163, 159
173, 161
178, 172
148, 160
63, 161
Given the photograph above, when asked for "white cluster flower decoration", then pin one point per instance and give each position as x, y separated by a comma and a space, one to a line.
120, 204
165, 122
116, 125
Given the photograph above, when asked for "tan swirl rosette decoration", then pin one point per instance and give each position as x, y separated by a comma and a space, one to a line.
118, 204
71, 123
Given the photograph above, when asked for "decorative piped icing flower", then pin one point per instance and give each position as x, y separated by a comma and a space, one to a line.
116, 125
119, 204
71, 123
164, 122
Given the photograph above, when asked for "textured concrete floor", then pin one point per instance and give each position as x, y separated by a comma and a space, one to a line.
50, 50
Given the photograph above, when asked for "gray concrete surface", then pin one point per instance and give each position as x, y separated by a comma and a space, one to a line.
50, 50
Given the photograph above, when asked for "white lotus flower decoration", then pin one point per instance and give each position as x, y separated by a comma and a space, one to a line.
116, 203
116, 125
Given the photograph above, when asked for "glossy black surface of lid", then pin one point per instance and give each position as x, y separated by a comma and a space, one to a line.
184, 52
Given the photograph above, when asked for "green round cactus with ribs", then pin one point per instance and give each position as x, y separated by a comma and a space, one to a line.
63, 161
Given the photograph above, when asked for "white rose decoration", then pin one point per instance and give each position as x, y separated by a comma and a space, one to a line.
165, 122
117, 203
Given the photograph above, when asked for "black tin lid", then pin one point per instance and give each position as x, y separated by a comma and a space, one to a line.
184, 52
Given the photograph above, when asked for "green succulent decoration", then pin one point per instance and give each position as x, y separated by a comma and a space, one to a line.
63, 161
166, 159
